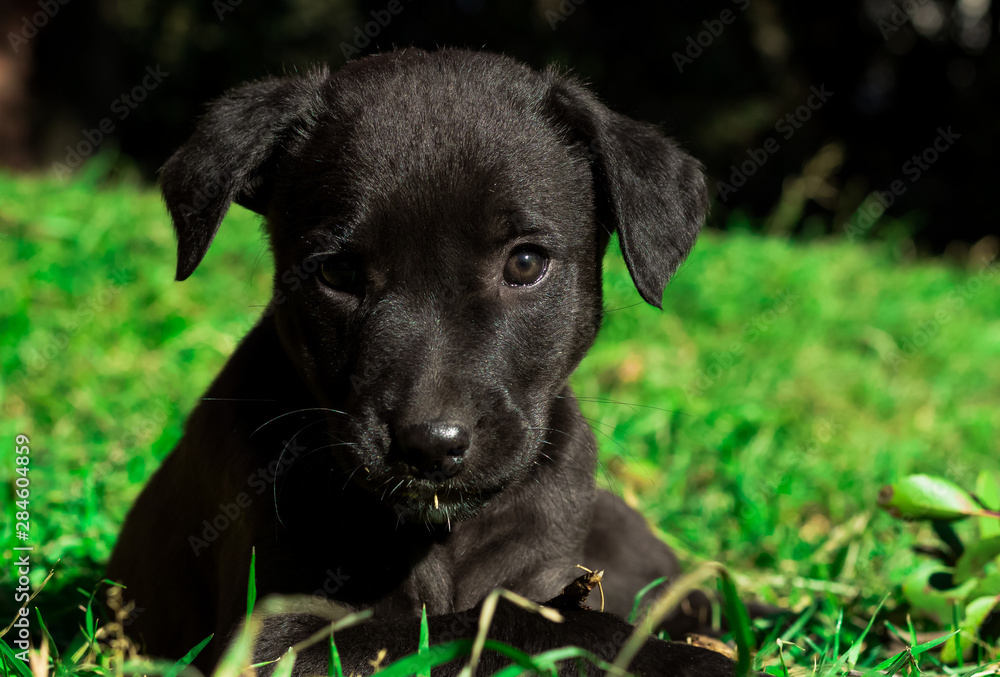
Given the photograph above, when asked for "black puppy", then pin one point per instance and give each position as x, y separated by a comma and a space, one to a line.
398, 431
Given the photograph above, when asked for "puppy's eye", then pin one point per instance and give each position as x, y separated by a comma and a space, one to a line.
340, 273
525, 267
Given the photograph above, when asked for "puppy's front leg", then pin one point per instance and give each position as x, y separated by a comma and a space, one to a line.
602, 634
622, 544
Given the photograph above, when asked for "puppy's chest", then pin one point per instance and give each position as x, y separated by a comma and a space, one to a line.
456, 578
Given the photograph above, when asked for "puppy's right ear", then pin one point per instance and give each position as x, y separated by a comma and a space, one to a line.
230, 156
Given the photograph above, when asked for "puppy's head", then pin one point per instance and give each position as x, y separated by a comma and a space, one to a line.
438, 222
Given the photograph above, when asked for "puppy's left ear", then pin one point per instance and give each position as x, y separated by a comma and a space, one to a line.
647, 189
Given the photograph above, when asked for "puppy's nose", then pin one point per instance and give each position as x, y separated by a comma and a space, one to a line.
435, 448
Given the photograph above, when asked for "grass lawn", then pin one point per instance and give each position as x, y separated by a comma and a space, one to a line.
754, 419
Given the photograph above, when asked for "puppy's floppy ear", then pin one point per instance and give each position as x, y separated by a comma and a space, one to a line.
229, 158
647, 189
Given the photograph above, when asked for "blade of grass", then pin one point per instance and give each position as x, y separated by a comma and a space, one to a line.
486, 617
959, 652
659, 610
47, 635
188, 658
330, 630
252, 585
913, 631
850, 658
781, 657
739, 623
642, 593
238, 654
788, 635
423, 643
548, 661
433, 657
449, 651
141, 666
89, 627
285, 665
890, 665
16, 665
930, 644
836, 633
334, 666
28, 601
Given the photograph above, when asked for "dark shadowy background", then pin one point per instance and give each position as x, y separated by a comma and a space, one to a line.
898, 71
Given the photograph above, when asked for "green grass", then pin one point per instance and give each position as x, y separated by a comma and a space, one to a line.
753, 420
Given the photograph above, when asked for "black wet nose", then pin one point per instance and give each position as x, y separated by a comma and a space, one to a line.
434, 446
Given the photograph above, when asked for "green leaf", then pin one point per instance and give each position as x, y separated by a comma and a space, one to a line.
925, 497
988, 492
966, 636
188, 658
987, 586
927, 599
975, 558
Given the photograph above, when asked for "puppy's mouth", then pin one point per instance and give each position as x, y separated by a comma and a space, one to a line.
420, 500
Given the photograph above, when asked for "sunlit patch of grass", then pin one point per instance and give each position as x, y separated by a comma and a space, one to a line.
753, 420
